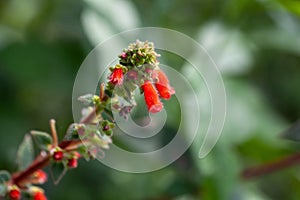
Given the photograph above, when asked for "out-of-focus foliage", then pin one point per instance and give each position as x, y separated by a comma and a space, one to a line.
255, 44
292, 5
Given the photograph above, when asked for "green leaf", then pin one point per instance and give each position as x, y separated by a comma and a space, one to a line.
293, 133
25, 154
87, 99
72, 133
4, 176
83, 150
3, 189
42, 139
58, 170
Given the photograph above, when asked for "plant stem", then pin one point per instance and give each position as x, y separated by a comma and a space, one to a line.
40, 162
271, 167
102, 93
53, 132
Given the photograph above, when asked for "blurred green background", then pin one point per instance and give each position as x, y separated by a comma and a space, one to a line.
255, 43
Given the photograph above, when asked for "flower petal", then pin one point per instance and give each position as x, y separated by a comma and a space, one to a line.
151, 98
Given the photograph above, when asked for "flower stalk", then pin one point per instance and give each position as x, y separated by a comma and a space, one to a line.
270, 167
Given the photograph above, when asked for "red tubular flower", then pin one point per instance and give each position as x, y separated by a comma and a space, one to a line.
116, 76
162, 85
39, 195
39, 177
123, 55
15, 194
151, 98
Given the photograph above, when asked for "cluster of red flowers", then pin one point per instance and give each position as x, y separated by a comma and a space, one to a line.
138, 67
162, 89
159, 87
71, 158
38, 177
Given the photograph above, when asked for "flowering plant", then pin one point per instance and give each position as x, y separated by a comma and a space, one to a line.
138, 68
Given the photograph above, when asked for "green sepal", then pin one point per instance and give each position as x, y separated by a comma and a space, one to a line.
106, 127
83, 150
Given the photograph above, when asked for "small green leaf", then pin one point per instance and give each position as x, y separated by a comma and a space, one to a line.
72, 133
42, 139
25, 154
293, 133
83, 150
3, 189
87, 99
4, 176
58, 170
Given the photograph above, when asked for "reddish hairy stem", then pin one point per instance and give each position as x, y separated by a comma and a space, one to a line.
271, 167
72, 145
40, 162
67, 143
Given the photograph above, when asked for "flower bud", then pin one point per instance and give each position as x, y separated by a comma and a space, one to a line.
58, 155
39, 195
105, 128
39, 177
116, 77
123, 55
14, 194
72, 163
